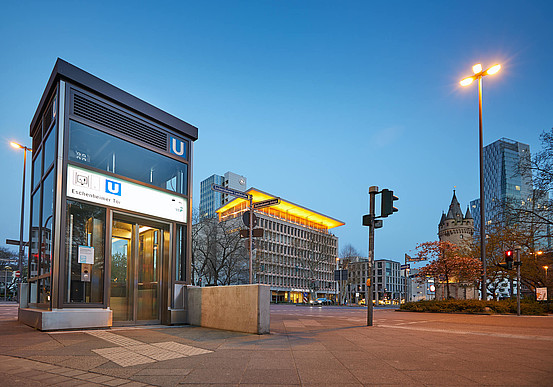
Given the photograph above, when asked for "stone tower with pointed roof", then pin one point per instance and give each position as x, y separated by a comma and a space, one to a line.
456, 227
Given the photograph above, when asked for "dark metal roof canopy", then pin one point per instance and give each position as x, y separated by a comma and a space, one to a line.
66, 71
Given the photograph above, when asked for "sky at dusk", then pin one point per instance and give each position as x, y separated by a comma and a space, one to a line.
312, 101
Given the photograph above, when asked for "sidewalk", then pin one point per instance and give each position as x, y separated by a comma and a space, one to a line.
307, 346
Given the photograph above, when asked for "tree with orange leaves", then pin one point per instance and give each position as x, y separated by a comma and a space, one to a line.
448, 263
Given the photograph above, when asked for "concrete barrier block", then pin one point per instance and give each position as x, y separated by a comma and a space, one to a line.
241, 308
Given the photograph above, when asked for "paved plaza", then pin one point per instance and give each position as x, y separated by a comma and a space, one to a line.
308, 346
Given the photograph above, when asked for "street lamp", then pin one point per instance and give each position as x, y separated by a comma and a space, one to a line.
478, 74
21, 248
546, 268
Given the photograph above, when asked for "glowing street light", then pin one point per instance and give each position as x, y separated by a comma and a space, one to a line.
21, 248
478, 74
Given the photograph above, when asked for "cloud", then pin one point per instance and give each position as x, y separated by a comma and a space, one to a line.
386, 136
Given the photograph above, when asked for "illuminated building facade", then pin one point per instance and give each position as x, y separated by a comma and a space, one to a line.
297, 254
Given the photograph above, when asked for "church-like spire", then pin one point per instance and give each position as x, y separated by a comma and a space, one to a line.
442, 219
455, 209
468, 214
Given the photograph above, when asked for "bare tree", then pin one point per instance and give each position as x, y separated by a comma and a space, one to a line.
348, 251
219, 255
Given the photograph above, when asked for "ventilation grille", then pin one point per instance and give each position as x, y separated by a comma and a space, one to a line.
99, 114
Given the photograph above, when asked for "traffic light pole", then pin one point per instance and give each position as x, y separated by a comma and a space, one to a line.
518, 281
373, 191
251, 239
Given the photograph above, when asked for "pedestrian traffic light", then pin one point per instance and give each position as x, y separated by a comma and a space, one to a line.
387, 203
509, 259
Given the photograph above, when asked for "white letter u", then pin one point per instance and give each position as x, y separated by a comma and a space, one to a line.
174, 145
113, 188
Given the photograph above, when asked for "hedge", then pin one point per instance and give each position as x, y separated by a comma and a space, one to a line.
479, 307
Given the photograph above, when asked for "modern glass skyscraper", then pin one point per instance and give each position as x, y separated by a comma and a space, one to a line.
211, 200
504, 179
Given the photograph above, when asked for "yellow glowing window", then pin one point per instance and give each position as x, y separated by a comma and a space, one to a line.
517, 187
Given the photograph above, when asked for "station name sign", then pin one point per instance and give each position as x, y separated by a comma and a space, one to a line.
109, 191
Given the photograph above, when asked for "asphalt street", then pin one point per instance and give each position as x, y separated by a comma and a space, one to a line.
308, 346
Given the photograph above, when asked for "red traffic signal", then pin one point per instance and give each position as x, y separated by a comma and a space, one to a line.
509, 259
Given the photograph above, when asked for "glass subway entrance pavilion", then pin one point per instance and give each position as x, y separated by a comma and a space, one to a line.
110, 208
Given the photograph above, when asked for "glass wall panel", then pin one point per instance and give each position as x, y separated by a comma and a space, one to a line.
47, 214
49, 149
94, 148
37, 168
180, 263
35, 234
85, 246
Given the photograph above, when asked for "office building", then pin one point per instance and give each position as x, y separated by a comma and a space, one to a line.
211, 200
388, 281
505, 179
296, 256
419, 289
110, 208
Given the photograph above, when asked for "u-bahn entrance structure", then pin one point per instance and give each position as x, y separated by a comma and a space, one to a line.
110, 208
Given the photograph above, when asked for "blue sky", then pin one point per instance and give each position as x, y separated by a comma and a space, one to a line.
313, 101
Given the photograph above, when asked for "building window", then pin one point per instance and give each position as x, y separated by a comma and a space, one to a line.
97, 149
180, 263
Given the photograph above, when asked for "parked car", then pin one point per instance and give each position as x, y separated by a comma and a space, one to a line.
322, 301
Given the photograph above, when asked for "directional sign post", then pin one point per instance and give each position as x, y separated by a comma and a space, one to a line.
230, 191
266, 203
242, 195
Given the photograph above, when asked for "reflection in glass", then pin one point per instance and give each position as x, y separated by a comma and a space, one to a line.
180, 265
149, 247
121, 266
49, 149
37, 168
100, 150
135, 270
85, 228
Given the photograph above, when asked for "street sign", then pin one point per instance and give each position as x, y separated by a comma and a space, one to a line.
341, 275
15, 242
229, 191
17, 274
246, 219
267, 203
405, 267
256, 233
541, 294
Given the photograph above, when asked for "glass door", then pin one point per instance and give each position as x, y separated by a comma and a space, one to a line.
136, 251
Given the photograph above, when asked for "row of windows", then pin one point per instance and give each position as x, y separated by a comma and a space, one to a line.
303, 283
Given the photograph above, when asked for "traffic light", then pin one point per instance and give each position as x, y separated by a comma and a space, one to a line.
387, 203
509, 259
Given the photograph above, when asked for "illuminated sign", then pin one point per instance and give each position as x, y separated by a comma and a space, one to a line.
106, 190
177, 147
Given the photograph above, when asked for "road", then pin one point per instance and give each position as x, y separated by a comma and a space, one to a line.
308, 346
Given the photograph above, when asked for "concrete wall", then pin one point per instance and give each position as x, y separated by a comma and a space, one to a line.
241, 308
70, 318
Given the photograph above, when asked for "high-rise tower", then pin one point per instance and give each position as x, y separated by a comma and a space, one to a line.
211, 200
505, 178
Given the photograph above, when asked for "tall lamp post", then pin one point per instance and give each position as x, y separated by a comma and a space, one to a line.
478, 74
22, 220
